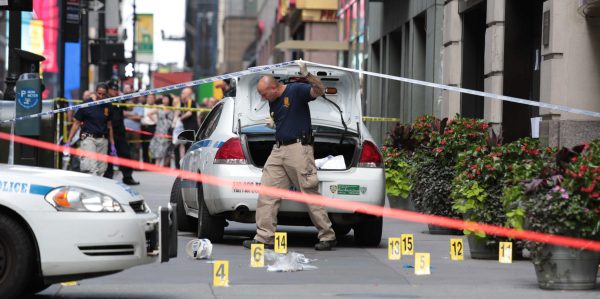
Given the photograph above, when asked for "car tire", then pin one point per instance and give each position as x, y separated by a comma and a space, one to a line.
36, 288
209, 226
368, 231
185, 223
17, 258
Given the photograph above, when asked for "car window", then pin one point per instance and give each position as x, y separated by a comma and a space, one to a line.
210, 123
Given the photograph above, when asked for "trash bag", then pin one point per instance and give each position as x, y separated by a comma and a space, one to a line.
290, 262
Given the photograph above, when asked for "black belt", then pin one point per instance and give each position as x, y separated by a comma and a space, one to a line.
85, 135
280, 142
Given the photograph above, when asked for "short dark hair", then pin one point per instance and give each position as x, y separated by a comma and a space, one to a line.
170, 97
101, 85
112, 84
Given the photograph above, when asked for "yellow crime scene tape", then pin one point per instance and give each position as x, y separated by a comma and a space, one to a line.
143, 105
365, 118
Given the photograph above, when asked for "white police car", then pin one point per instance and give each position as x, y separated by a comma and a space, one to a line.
60, 226
234, 142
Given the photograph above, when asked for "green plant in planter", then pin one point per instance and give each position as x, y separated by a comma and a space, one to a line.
565, 199
397, 172
435, 161
496, 171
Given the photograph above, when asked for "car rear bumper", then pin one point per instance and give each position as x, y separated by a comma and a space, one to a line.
364, 185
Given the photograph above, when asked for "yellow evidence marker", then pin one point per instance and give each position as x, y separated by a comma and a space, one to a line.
257, 255
281, 242
456, 249
422, 263
221, 274
505, 253
394, 253
407, 244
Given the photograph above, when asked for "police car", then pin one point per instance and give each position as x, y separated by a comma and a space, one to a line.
234, 142
58, 226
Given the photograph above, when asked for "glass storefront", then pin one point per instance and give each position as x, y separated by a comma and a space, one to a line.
352, 30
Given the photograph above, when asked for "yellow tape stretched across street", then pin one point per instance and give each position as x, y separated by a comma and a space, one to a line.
365, 118
384, 119
143, 105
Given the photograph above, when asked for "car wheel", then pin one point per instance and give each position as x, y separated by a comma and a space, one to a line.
209, 226
368, 231
185, 223
36, 288
16, 258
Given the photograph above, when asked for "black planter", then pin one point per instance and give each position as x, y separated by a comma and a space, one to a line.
562, 268
398, 202
439, 230
480, 250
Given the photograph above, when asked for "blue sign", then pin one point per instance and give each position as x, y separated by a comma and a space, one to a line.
28, 98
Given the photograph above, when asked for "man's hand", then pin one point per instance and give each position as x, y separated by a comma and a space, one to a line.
66, 148
113, 150
270, 121
302, 65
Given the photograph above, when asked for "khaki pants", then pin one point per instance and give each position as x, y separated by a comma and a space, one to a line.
290, 164
88, 163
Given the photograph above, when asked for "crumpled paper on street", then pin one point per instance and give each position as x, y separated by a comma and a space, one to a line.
199, 249
290, 262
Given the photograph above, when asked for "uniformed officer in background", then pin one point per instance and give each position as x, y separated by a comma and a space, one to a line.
96, 131
121, 145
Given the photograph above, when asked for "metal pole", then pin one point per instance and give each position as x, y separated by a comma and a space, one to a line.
61, 49
84, 67
133, 52
14, 42
103, 75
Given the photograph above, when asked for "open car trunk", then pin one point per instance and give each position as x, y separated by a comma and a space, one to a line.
259, 141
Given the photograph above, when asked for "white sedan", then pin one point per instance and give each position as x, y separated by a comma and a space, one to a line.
58, 226
234, 142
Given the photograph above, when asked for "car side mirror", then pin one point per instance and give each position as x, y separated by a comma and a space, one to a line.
187, 136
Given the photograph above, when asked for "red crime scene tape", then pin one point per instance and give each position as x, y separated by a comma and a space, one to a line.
324, 201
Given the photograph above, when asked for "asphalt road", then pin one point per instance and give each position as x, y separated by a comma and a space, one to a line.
348, 271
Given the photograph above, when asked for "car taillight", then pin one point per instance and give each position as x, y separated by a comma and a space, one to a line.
370, 157
230, 153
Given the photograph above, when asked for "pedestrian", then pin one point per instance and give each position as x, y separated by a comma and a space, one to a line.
189, 118
292, 158
121, 145
179, 146
227, 87
96, 132
133, 125
161, 147
148, 125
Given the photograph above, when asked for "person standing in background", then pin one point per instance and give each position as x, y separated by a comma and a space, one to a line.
160, 146
148, 125
133, 117
122, 148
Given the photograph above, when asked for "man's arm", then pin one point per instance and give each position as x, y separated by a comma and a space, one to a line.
317, 88
74, 128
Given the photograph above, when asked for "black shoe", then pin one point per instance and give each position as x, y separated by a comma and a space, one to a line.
248, 244
130, 181
325, 245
